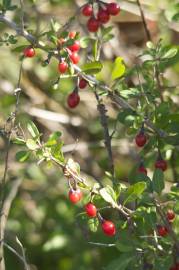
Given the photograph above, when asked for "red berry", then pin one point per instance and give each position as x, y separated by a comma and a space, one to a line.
75, 46
29, 52
73, 100
87, 10
91, 210
82, 83
142, 169
72, 34
170, 215
140, 139
93, 25
74, 57
79, 193
162, 230
113, 9
108, 228
161, 164
74, 195
103, 16
62, 67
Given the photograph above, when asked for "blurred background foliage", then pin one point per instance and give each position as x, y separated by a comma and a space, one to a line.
41, 216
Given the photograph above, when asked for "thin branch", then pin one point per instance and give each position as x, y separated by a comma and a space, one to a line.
107, 138
21, 258
101, 244
148, 35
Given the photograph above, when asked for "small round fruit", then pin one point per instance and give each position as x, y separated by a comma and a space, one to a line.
29, 52
82, 83
79, 193
72, 34
103, 16
62, 67
140, 139
162, 231
93, 25
74, 58
91, 210
74, 196
113, 9
142, 169
161, 164
170, 215
108, 228
73, 100
75, 46
87, 10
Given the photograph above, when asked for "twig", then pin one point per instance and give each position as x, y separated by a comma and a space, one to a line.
4, 215
21, 258
107, 138
26, 267
102, 244
148, 36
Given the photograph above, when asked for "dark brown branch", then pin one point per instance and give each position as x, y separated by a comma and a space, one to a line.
107, 138
148, 35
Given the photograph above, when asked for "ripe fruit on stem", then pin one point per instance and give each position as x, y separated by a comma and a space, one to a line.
75, 46
108, 227
161, 164
75, 195
103, 16
140, 139
62, 67
72, 34
87, 10
113, 9
74, 58
93, 25
29, 52
73, 99
162, 230
82, 83
170, 215
90, 209
142, 169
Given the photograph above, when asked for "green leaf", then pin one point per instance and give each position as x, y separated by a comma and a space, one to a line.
31, 144
33, 129
22, 156
52, 140
170, 53
92, 68
158, 181
93, 224
135, 191
84, 42
108, 195
121, 262
118, 69
19, 141
176, 208
124, 243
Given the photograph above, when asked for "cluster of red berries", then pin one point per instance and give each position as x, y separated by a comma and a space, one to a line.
74, 98
108, 226
68, 48
103, 15
140, 141
70, 51
163, 230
